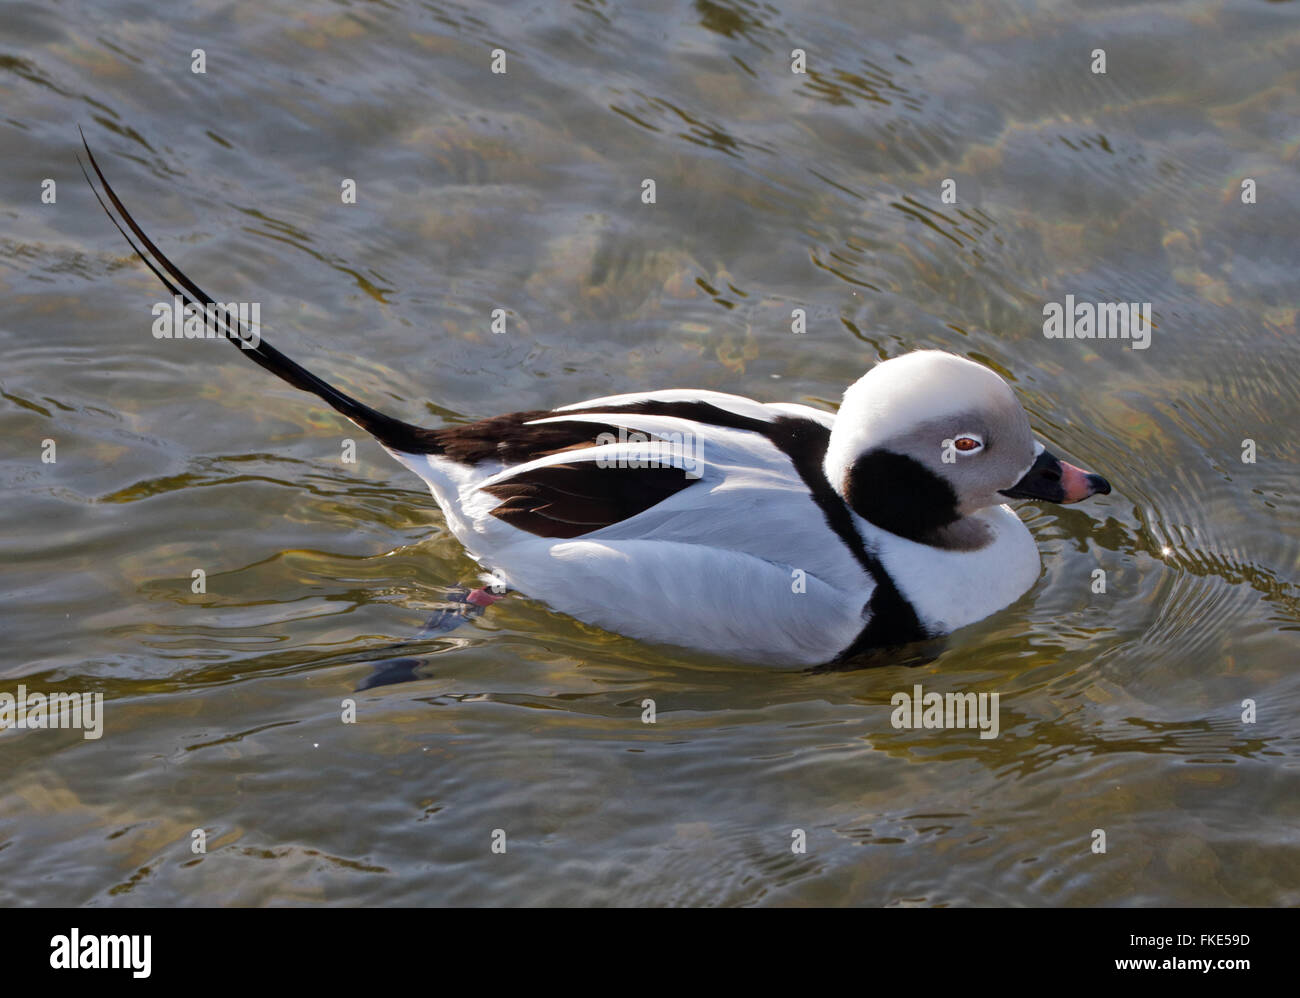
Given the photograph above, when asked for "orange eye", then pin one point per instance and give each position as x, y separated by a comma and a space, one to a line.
966, 443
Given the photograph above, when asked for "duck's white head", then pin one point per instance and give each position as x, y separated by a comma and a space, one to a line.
925, 439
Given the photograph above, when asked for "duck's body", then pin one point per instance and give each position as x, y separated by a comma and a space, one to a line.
754, 555
768, 532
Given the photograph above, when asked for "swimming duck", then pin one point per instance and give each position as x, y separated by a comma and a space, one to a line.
768, 532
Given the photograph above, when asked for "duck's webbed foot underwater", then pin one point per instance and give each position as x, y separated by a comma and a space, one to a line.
463, 604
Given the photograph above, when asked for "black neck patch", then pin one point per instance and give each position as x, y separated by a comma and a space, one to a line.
899, 494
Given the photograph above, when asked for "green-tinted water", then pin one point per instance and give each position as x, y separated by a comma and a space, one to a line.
1121, 711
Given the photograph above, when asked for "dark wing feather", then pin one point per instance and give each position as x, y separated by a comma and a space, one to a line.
569, 500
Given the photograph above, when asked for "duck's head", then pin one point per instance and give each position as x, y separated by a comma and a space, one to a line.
928, 438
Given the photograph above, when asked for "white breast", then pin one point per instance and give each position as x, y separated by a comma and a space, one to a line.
950, 589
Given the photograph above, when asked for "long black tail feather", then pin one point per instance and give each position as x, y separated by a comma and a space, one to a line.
390, 432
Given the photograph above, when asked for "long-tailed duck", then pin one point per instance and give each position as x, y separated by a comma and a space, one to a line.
768, 532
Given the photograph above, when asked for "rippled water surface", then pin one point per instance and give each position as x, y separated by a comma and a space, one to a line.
1120, 711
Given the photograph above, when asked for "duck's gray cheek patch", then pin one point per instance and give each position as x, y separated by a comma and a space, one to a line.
899, 494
